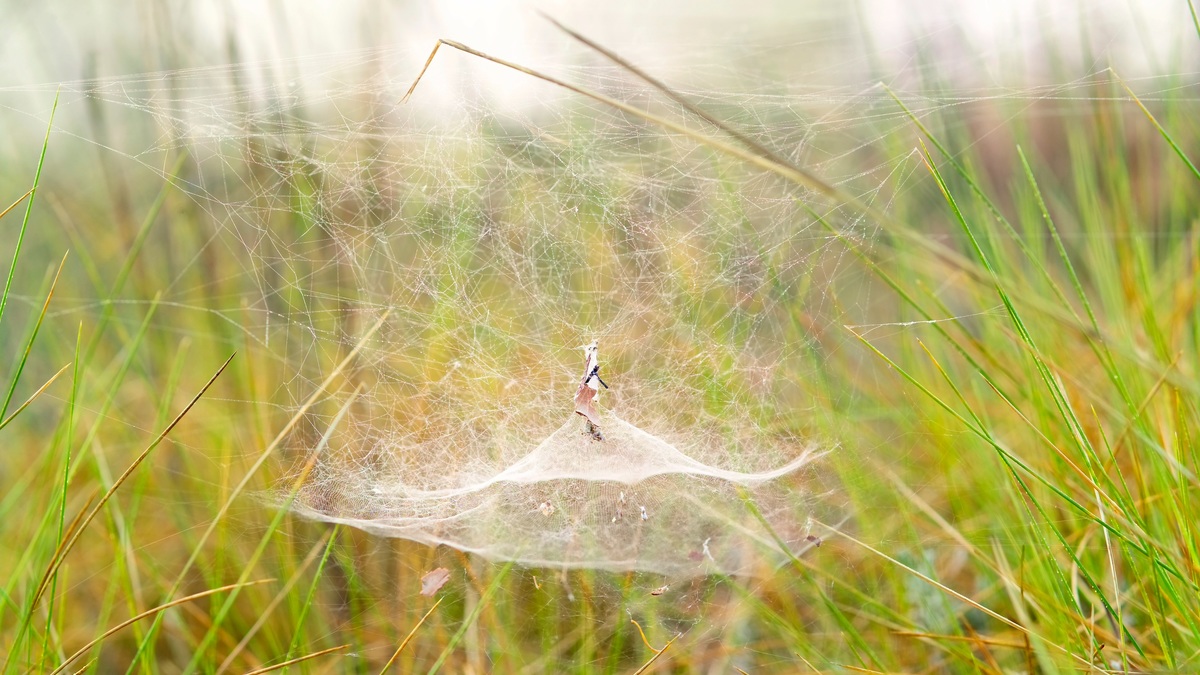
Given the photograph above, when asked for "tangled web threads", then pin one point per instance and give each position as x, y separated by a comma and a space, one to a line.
611, 496
493, 243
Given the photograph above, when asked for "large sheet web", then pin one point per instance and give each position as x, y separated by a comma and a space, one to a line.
597, 495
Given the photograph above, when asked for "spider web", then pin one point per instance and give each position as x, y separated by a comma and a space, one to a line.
519, 248
489, 250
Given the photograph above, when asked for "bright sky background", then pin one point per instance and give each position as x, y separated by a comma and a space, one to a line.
50, 40
783, 46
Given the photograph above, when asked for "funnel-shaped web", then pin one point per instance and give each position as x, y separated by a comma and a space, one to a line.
597, 493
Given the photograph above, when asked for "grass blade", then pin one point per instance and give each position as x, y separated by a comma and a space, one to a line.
411, 633
16, 203
470, 619
1161, 130
322, 544
296, 660
1195, 19
37, 177
148, 613
33, 396
12, 387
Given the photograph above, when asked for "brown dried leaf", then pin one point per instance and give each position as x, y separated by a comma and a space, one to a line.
434, 580
585, 404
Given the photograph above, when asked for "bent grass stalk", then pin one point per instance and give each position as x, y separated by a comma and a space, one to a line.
657, 652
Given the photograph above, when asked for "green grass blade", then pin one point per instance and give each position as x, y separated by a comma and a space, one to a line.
1161, 130
309, 597
12, 387
66, 472
37, 177
471, 618
1195, 19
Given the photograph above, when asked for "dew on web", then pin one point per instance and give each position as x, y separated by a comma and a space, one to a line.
596, 493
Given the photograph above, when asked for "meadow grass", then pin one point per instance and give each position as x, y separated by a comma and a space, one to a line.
1016, 414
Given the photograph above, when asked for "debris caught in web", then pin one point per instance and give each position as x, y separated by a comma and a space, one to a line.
433, 581
589, 390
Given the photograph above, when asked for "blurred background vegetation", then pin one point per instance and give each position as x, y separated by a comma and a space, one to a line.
990, 315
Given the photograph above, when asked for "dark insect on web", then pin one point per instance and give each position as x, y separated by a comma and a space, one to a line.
596, 374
